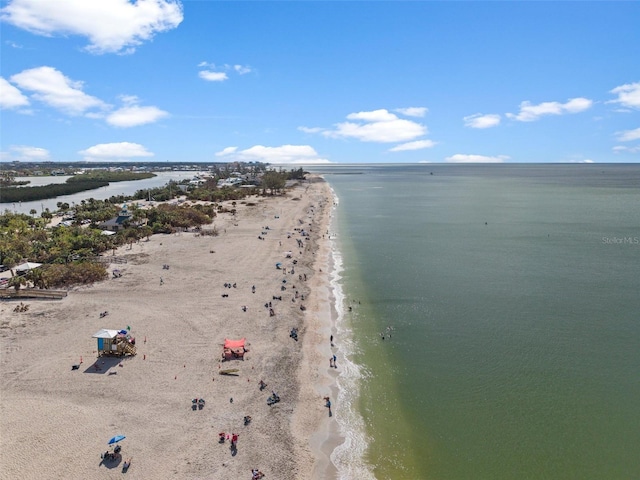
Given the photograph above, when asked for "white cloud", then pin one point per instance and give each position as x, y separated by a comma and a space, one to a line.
10, 96
628, 95
482, 121
285, 154
112, 26
628, 135
310, 129
530, 113
25, 153
226, 151
213, 76
413, 111
242, 69
51, 87
132, 115
462, 158
115, 151
377, 126
417, 145
220, 75
380, 115
621, 148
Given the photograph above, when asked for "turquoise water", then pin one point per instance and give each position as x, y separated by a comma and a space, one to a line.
513, 297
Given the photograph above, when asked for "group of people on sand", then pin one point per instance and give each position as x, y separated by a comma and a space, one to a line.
256, 474
226, 436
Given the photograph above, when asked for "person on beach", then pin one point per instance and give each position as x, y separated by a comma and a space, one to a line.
331, 340
327, 403
161, 281
334, 362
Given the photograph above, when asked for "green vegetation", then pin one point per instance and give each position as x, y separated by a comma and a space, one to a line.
75, 184
107, 176
69, 254
167, 218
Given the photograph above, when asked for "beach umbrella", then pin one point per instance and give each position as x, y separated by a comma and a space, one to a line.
116, 439
25, 267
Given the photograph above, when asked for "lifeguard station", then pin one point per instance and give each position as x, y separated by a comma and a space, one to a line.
115, 342
234, 349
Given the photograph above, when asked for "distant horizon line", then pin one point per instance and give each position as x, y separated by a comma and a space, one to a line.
312, 164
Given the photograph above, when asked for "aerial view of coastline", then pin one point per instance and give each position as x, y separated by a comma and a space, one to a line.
319, 240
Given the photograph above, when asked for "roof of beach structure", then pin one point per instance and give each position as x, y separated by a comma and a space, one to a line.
234, 343
106, 333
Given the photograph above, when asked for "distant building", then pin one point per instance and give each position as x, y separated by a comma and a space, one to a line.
117, 223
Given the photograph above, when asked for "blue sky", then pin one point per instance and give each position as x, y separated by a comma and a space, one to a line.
312, 82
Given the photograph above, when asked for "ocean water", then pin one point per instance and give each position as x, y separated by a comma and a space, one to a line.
512, 296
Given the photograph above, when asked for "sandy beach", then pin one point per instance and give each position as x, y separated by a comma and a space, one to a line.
56, 421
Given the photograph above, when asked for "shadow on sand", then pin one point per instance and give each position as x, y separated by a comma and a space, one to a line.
111, 462
104, 365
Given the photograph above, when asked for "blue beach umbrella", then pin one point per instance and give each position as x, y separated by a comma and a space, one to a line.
116, 439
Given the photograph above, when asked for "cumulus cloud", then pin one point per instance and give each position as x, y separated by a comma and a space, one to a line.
413, 111
51, 87
285, 154
135, 115
115, 151
530, 113
226, 151
379, 126
25, 153
112, 26
628, 135
417, 145
10, 96
479, 120
132, 115
628, 95
462, 158
213, 76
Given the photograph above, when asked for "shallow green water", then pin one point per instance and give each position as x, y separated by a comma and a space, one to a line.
513, 293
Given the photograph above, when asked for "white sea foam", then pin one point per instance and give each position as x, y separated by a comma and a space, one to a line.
348, 457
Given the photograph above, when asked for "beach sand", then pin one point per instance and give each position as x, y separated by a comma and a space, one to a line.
56, 421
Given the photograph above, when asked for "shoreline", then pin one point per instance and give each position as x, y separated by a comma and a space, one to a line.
180, 318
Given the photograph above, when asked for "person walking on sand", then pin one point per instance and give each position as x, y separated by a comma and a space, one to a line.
327, 403
334, 362
161, 281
